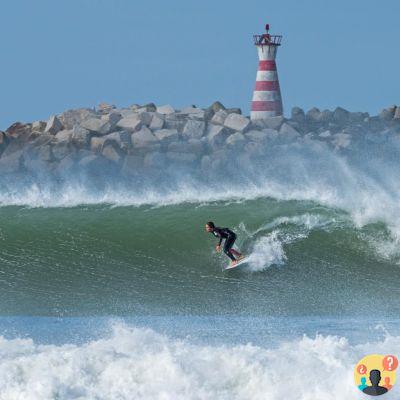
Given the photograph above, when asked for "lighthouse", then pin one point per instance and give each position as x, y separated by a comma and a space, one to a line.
267, 100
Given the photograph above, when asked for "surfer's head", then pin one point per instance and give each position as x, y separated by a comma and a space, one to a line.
210, 226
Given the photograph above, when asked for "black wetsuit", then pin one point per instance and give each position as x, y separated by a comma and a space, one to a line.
229, 236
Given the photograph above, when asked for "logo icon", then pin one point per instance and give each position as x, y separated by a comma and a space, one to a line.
375, 374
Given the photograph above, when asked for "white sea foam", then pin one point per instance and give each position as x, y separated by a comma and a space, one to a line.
141, 364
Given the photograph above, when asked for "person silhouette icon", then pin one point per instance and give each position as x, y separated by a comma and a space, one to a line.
363, 383
387, 384
375, 389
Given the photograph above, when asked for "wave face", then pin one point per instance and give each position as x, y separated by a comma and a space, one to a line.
304, 258
137, 363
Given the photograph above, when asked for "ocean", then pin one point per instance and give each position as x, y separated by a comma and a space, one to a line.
118, 293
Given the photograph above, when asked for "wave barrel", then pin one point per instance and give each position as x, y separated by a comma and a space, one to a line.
267, 100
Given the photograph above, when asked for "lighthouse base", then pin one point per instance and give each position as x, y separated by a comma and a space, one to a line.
263, 114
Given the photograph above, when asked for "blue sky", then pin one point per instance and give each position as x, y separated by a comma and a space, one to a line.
63, 54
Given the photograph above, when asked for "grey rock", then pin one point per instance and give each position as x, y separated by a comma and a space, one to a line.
44, 153
96, 144
167, 134
39, 126
131, 123
80, 136
112, 118
64, 135
195, 146
313, 114
143, 138
191, 146
235, 139
271, 122
96, 125
145, 117
298, 114
66, 165
193, 112
288, 131
217, 106
194, 129
111, 153
219, 117
54, 125
167, 109
157, 122
70, 118
387, 113
121, 139
105, 108
340, 115
234, 110
397, 113
256, 136
217, 134
237, 122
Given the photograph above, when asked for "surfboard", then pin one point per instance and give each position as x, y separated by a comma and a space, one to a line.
243, 260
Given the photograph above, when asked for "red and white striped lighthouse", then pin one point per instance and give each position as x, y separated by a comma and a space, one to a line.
267, 100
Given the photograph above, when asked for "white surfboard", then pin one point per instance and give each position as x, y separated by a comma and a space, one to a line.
243, 260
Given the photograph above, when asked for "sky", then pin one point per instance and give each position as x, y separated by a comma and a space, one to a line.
58, 55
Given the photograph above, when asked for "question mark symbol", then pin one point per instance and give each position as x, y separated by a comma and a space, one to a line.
390, 362
361, 369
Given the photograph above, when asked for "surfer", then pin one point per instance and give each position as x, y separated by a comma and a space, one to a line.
229, 236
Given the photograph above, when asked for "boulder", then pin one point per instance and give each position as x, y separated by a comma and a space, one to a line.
234, 110
217, 135
192, 112
288, 132
80, 137
313, 115
387, 113
96, 125
271, 122
105, 108
39, 126
120, 139
150, 107
97, 143
217, 106
194, 128
54, 125
219, 117
19, 129
145, 117
64, 135
397, 113
167, 109
111, 153
131, 123
256, 136
143, 138
340, 116
112, 118
157, 122
235, 139
175, 121
167, 134
70, 118
237, 122
298, 114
